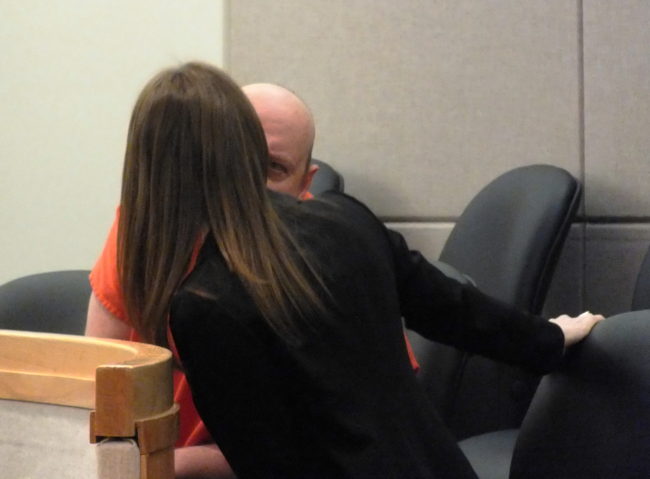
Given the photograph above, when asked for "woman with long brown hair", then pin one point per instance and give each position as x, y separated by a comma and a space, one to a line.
195, 163
289, 327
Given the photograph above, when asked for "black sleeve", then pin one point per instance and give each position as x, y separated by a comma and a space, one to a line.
444, 310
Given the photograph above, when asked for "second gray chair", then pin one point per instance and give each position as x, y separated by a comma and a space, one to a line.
592, 418
54, 302
588, 420
508, 240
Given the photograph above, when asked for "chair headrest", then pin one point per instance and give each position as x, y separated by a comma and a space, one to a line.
325, 179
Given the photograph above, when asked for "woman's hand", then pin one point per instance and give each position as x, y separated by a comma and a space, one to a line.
576, 329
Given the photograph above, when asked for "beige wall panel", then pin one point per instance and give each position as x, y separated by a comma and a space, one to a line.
613, 256
427, 238
566, 291
617, 107
421, 103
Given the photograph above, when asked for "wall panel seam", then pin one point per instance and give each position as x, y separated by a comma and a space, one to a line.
582, 147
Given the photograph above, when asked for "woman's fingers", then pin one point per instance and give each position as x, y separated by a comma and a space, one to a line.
575, 329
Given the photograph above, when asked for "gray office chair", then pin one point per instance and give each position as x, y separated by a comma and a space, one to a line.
326, 179
588, 420
508, 240
591, 419
54, 302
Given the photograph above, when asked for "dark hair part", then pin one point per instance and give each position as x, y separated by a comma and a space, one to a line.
196, 162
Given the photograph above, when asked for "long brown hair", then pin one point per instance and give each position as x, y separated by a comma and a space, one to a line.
196, 161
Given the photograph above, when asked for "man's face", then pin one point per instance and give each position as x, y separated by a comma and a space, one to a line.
288, 158
289, 133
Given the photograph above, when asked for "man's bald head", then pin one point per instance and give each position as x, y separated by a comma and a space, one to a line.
289, 129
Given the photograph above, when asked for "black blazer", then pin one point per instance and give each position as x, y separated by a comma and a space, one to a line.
345, 403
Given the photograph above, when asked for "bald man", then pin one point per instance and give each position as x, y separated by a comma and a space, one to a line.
289, 129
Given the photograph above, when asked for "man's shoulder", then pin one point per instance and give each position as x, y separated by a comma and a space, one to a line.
329, 206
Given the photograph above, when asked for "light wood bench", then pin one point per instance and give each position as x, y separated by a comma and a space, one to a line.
50, 382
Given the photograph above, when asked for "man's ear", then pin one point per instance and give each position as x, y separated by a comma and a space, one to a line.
308, 178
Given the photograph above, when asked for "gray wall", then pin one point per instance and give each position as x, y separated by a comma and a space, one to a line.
420, 103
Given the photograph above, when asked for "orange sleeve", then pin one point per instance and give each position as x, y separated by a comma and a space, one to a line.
104, 279
412, 358
105, 284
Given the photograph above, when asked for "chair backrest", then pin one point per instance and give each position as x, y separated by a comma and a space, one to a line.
510, 235
326, 179
592, 418
641, 296
54, 302
508, 240
46, 383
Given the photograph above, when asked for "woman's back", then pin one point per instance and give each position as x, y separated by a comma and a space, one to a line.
345, 402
